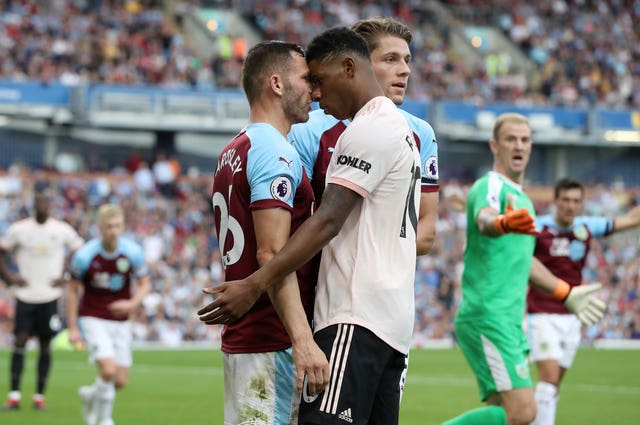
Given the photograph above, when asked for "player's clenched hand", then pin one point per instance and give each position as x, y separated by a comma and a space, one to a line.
233, 300
581, 302
74, 336
312, 367
516, 221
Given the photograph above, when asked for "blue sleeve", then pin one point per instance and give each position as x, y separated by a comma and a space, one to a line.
82, 258
428, 149
544, 220
306, 143
598, 226
135, 254
274, 171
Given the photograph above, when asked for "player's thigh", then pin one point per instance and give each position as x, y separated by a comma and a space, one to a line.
366, 379
571, 337
48, 322
259, 388
95, 332
544, 336
25, 318
120, 334
497, 353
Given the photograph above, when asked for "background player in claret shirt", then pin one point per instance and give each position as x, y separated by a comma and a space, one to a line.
364, 308
104, 271
41, 244
497, 264
388, 41
562, 246
260, 196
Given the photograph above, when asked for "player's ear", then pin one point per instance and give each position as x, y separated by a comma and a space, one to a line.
493, 145
349, 66
276, 84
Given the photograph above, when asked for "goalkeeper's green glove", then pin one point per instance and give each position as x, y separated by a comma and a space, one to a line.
580, 301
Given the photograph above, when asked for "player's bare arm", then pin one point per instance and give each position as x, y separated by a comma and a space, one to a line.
73, 293
487, 222
272, 228
491, 223
627, 221
235, 298
426, 235
580, 300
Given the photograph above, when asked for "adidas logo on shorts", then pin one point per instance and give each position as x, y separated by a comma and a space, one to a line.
345, 415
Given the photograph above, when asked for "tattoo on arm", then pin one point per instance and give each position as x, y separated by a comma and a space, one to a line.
337, 203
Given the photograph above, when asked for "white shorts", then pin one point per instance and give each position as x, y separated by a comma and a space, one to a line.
553, 337
259, 389
107, 339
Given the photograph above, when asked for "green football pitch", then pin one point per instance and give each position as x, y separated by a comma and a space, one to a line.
185, 388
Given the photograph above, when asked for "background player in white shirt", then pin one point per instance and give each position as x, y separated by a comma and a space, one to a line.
40, 245
364, 311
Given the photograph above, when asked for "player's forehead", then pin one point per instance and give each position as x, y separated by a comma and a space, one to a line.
574, 193
512, 129
321, 70
298, 62
391, 44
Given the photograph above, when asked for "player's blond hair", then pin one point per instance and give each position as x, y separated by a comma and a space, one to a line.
373, 29
505, 118
108, 211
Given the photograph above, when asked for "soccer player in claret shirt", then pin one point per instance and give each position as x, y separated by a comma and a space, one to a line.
388, 41
41, 245
260, 196
562, 246
364, 307
110, 276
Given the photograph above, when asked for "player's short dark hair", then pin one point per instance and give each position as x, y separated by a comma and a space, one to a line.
336, 42
263, 59
566, 184
373, 28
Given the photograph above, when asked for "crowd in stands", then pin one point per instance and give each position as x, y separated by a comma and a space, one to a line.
584, 52
176, 229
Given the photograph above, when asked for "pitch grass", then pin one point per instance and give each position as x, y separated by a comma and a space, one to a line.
185, 387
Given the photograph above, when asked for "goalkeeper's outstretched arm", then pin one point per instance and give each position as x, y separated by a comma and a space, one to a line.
579, 300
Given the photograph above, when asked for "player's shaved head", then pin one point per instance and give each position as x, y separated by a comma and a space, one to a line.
265, 59
337, 42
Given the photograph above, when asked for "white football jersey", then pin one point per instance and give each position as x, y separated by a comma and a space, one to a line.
367, 271
40, 251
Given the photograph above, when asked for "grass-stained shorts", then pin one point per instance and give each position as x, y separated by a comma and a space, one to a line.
497, 352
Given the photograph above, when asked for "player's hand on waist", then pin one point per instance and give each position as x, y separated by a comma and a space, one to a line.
232, 300
17, 280
516, 221
62, 280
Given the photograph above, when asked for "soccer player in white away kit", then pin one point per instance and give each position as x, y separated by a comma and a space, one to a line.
388, 41
40, 244
364, 309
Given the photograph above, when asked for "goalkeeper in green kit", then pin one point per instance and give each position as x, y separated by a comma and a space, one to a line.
498, 264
